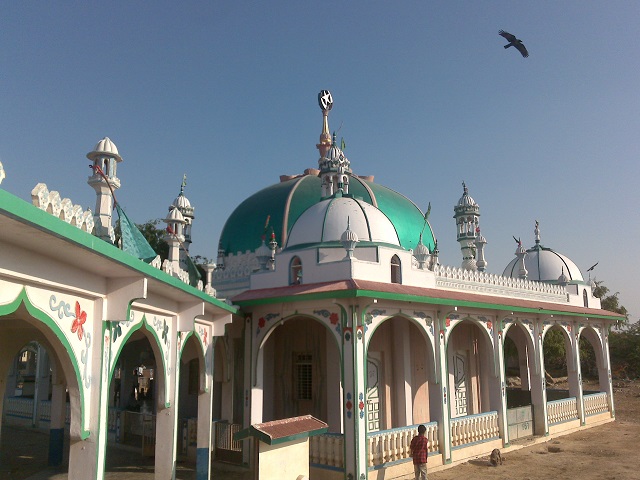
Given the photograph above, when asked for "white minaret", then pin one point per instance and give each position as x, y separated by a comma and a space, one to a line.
467, 212
174, 236
105, 158
481, 263
184, 206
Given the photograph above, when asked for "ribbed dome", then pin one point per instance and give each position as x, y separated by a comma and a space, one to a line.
105, 147
286, 201
175, 216
466, 200
545, 265
326, 222
181, 202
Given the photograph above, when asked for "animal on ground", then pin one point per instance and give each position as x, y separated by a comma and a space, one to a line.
514, 42
496, 458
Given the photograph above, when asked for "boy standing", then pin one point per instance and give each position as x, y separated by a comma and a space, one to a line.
419, 453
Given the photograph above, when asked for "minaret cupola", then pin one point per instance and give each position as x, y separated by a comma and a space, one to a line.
467, 213
182, 203
105, 159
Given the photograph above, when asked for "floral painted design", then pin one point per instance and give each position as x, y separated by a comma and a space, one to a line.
79, 321
333, 318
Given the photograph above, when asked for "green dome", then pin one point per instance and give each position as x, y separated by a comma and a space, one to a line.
286, 201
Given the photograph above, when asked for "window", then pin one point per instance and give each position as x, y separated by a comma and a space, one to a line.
396, 271
296, 271
303, 372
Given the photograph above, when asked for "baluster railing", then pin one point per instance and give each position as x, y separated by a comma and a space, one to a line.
562, 410
394, 445
474, 428
596, 403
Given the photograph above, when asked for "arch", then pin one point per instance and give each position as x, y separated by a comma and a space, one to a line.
585, 298
472, 377
588, 335
396, 269
295, 271
299, 371
563, 369
400, 372
55, 341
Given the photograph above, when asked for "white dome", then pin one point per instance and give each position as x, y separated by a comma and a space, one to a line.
181, 202
327, 221
545, 265
105, 147
175, 216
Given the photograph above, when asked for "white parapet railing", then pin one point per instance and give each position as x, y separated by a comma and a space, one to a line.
563, 410
327, 450
393, 445
596, 403
474, 428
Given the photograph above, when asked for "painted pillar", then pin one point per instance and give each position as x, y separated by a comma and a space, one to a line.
166, 419
103, 411
499, 364
402, 374
252, 389
56, 427
354, 374
205, 406
538, 383
606, 366
575, 373
444, 423
335, 393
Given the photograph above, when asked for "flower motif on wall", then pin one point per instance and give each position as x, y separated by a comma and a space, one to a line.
165, 331
205, 339
116, 329
81, 318
333, 318
348, 405
361, 405
489, 325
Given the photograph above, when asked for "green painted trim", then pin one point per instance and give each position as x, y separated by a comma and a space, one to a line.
355, 293
38, 314
23, 212
264, 438
149, 327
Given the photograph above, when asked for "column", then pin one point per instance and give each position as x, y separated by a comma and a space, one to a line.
538, 383
205, 406
444, 423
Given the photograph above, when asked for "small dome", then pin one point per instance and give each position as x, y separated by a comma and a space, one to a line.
181, 202
349, 235
326, 221
465, 199
545, 265
175, 216
105, 147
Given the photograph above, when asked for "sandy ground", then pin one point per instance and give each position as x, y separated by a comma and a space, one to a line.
606, 452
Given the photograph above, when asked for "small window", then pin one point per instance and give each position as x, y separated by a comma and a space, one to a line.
303, 376
396, 270
296, 271
585, 298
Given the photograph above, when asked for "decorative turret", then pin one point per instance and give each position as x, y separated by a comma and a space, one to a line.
521, 253
480, 242
334, 166
174, 235
467, 212
349, 239
105, 158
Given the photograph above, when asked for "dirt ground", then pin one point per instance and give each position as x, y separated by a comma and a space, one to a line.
605, 452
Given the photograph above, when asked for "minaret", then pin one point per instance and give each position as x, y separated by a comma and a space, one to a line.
334, 166
184, 206
174, 236
106, 158
521, 253
467, 212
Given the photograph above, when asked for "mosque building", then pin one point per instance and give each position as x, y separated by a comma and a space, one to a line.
327, 299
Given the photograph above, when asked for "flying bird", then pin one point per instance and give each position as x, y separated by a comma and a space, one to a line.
593, 266
514, 42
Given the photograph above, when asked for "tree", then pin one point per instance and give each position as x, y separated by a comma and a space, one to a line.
609, 302
154, 236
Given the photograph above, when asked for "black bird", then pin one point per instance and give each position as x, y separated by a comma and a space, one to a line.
514, 42
592, 267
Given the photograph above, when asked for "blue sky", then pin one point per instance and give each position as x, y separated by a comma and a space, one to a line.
424, 96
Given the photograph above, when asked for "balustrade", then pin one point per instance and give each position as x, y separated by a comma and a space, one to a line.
474, 428
392, 445
596, 403
327, 449
563, 410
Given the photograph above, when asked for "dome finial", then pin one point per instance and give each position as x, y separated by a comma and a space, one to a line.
537, 232
325, 100
184, 183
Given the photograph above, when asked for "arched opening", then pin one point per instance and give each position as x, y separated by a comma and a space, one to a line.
134, 395
472, 381
40, 403
301, 373
519, 360
396, 270
557, 348
401, 388
585, 298
295, 271
595, 376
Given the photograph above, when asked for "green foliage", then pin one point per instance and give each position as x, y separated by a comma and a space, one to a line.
154, 235
555, 353
609, 302
624, 350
